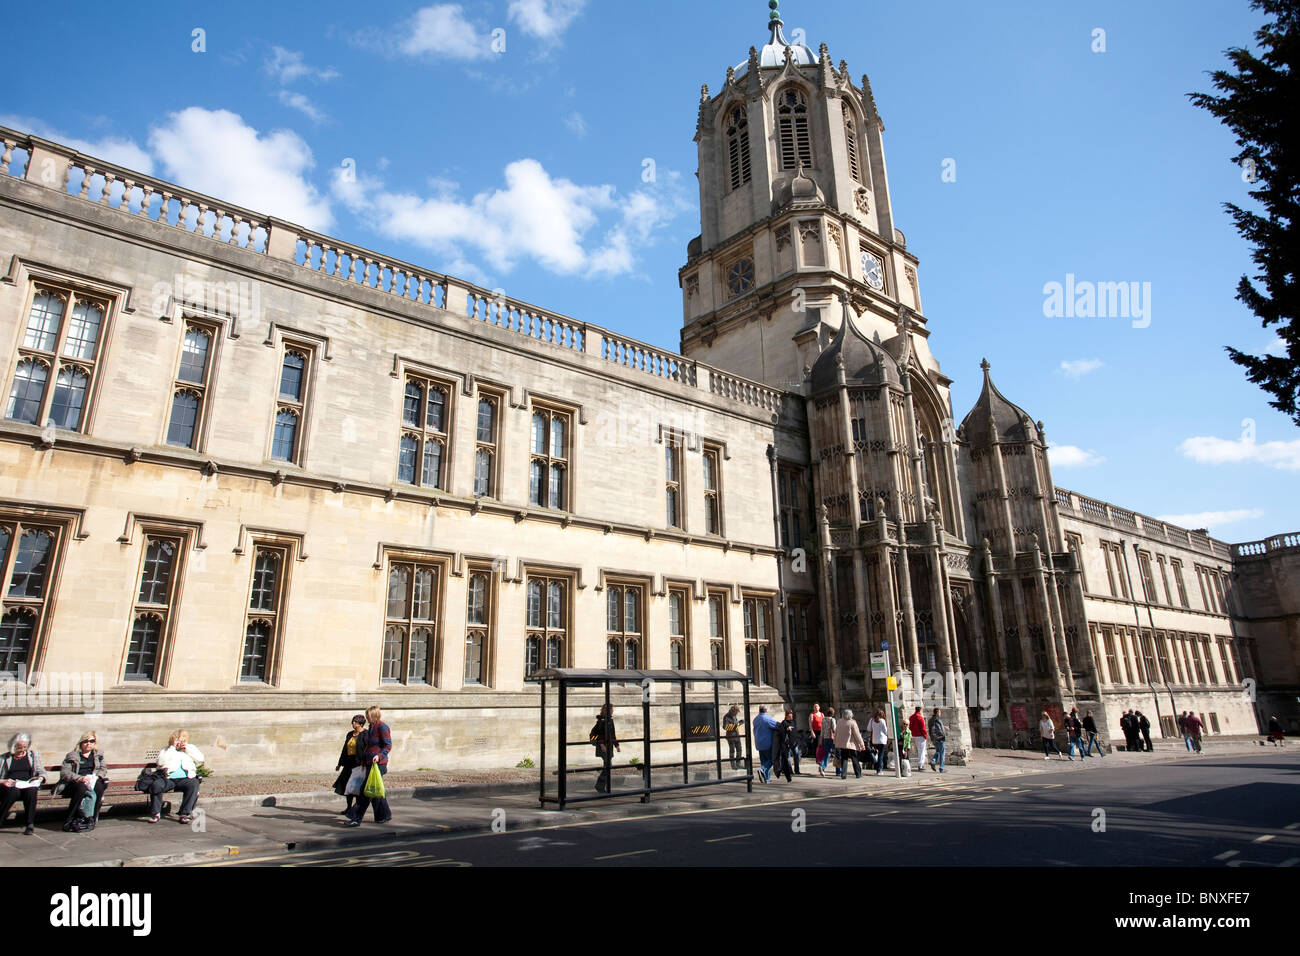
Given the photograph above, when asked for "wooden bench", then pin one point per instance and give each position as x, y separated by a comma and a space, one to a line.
120, 791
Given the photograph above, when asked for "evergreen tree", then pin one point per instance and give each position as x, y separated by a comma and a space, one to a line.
1259, 104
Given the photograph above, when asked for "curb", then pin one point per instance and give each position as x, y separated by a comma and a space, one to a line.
311, 797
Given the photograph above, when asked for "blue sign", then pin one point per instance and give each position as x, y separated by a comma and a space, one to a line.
884, 645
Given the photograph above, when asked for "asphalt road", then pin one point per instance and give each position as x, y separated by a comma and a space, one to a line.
1233, 811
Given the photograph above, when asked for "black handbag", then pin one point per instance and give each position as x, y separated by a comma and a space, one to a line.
151, 781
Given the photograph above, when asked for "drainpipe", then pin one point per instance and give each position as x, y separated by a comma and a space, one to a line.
780, 574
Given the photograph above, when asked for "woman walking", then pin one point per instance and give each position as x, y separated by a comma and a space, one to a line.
827, 742
1047, 730
848, 740
349, 761
604, 736
878, 734
375, 743
939, 737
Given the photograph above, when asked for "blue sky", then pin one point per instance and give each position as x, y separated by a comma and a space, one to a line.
507, 142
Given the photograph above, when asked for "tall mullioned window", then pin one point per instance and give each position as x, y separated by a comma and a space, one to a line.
58, 356
191, 387
27, 556
738, 147
422, 450
262, 624
712, 489
410, 623
291, 405
478, 625
679, 629
623, 626
548, 464
546, 623
485, 446
758, 632
673, 483
154, 606
792, 498
717, 630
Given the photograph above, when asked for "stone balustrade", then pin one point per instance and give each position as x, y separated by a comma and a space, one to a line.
39, 161
1120, 518
132, 193
1257, 549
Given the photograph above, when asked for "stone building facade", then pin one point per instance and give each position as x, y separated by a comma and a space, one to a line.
253, 478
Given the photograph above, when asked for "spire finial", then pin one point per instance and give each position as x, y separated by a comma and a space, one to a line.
775, 15
984, 364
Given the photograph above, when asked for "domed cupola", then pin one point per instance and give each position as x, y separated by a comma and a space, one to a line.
862, 361
773, 53
993, 417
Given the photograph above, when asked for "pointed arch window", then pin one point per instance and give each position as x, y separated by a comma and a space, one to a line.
191, 387
851, 143
423, 445
623, 616
549, 459
27, 557
57, 359
410, 623
154, 608
546, 623
291, 404
738, 147
795, 141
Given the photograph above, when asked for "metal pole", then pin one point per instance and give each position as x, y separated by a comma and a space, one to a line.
717, 704
898, 763
749, 742
564, 744
682, 721
645, 742
541, 773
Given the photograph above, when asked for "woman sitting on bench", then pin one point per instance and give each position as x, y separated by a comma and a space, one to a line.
83, 778
180, 762
20, 771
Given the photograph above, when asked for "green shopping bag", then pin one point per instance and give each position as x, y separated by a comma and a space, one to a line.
374, 788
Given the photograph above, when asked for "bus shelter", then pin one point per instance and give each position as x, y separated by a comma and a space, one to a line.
668, 724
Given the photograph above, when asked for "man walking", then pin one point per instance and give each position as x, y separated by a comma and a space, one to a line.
1194, 728
1144, 726
764, 724
1129, 723
916, 724
938, 734
1182, 729
1090, 725
1074, 731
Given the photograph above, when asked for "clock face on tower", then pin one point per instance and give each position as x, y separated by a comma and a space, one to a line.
873, 270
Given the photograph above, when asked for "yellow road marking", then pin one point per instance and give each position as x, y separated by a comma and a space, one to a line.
1262, 839
615, 856
1227, 854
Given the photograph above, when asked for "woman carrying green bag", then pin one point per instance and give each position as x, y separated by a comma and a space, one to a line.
373, 747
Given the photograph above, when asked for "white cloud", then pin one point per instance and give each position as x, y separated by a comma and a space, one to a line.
1080, 367
216, 152
287, 66
576, 124
443, 30
1071, 456
1217, 451
1211, 519
544, 19
1276, 348
551, 221
303, 105
121, 151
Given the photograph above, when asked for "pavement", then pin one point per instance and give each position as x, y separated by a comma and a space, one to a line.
267, 824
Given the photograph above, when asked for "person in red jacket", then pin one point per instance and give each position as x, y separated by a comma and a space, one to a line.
1194, 728
916, 724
